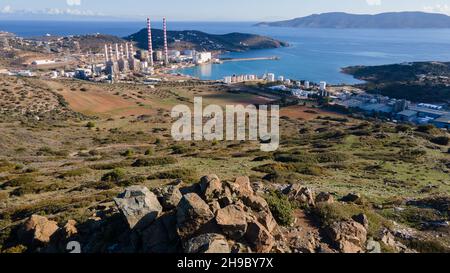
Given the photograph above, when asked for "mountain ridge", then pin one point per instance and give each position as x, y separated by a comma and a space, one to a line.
388, 20
193, 39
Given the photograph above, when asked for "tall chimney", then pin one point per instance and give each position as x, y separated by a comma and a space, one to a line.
166, 50
150, 42
106, 53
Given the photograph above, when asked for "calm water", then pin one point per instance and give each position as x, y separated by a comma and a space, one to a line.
314, 54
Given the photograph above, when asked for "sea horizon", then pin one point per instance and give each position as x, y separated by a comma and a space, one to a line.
314, 54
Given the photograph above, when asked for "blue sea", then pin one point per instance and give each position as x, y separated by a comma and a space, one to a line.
314, 54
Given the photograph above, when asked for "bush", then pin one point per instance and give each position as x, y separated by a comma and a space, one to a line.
74, 173
427, 246
425, 128
18, 182
179, 149
156, 161
149, 152
90, 125
281, 208
128, 153
187, 175
115, 176
441, 140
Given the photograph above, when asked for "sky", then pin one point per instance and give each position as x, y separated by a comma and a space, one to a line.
211, 10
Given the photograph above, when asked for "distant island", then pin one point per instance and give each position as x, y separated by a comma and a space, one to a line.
417, 81
201, 41
341, 20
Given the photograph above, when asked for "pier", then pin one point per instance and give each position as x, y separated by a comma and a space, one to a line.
272, 58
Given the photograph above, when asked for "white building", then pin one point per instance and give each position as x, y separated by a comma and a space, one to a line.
323, 86
307, 85
43, 62
228, 80
281, 78
270, 77
202, 57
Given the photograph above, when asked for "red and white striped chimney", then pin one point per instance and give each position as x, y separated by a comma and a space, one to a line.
150, 42
166, 50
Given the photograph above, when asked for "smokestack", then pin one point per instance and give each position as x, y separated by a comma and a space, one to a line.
150, 42
166, 50
106, 53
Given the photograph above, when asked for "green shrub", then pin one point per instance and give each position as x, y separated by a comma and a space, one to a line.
90, 125
18, 182
156, 161
187, 175
114, 176
441, 140
128, 153
281, 208
149, 152
427, 246
74, 173
180, 149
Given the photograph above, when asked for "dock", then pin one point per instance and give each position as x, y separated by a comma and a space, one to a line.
272, 58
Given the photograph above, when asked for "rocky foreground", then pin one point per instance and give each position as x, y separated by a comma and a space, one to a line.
208, 217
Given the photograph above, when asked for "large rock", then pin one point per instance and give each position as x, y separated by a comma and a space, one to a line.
362, 219
351, 198
267, 220
193, 215
256, 203
208, 243
139, 206
259, 237
301, 194
169, 196
325, 197
70, 230
38, 230
161, 236
349, 236
211, 187
233, 221
244, 188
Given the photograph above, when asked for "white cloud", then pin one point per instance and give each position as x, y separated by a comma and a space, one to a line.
73, 2
438, 8
373, 2
6, 9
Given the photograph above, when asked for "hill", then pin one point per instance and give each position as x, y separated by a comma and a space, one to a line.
389, 20
198, 40
418, 81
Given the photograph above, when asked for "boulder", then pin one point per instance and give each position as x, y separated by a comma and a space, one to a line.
325, 197
211, 187
388, 239
207, 243
193, 214
256, 203
362, 219
259, 237
159, 237
233, 221
214, 206
70, 230
373, 247
298, 193
244, 187
139, 206
37, 230
349, 236
267, 220
169, 196
351, 198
